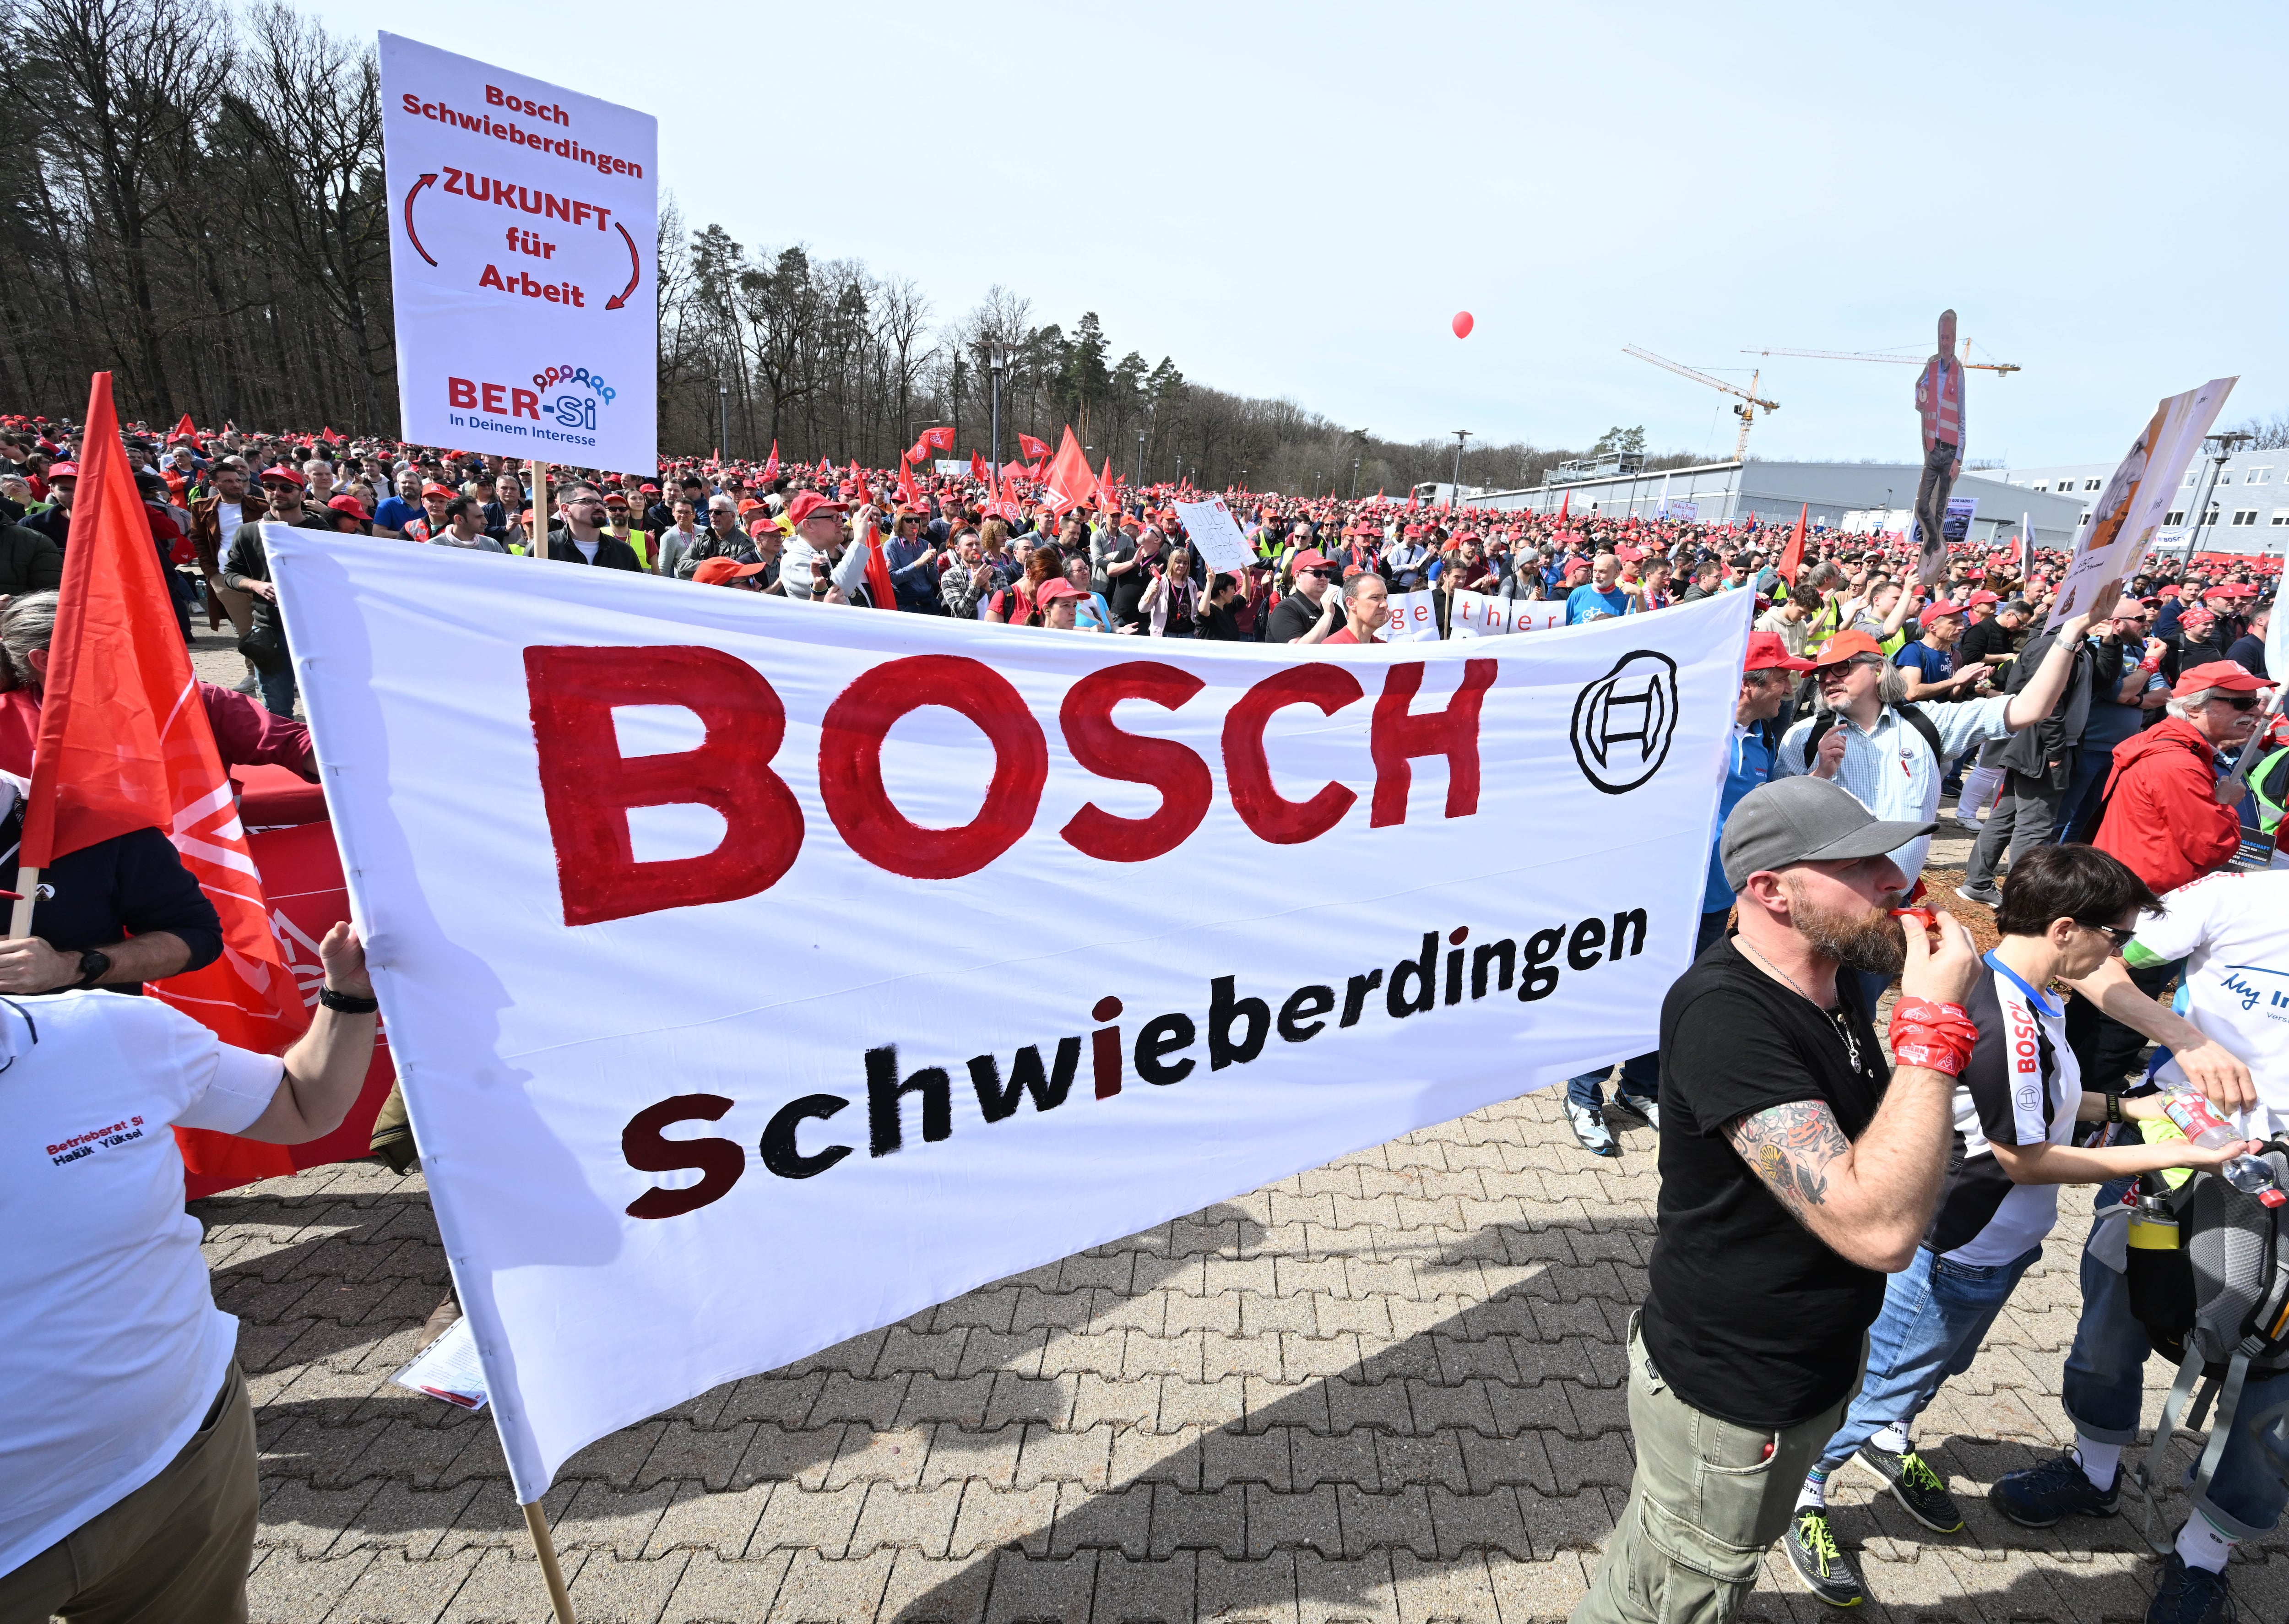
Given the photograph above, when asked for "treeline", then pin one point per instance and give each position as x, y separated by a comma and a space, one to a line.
196, 205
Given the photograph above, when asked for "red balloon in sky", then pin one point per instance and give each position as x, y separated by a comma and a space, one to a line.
1462, 323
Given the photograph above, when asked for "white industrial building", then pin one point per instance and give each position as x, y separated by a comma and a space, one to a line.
1856, 496
2247, 509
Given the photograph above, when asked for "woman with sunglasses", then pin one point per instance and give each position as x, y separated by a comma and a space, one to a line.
2066, 910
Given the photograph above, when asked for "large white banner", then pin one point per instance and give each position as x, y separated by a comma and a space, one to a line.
524, 223
760, 974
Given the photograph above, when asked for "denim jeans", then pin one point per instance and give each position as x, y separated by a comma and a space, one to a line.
2106, 1380
1936, 1314
278, 690
2078, 807
1641, 1073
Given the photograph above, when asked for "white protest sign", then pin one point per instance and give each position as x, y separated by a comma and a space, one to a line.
1536, 614
1414, 617
1476, 614
2132, 506
1211, 527
524, 224
995, 942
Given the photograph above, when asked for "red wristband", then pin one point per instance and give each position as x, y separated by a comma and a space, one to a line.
1937, 1037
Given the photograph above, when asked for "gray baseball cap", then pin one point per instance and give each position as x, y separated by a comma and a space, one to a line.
1805, 820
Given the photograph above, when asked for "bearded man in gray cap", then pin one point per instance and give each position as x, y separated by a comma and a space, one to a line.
1794, 1177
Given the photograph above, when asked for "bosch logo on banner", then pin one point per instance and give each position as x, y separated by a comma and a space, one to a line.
1624, 720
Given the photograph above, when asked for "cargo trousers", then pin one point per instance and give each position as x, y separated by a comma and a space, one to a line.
1708, 1498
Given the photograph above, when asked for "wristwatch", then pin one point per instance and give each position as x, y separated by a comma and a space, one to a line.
94, 964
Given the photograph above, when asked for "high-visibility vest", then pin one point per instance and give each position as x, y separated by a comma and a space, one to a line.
642, 542
2271, 807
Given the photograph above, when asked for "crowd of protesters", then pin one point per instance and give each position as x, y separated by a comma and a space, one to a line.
1843, 1211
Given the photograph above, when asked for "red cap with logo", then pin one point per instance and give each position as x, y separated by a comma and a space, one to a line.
2230, 676
811, 504
1768, 652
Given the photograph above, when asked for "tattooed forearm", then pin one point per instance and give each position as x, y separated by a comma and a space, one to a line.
1791, 1147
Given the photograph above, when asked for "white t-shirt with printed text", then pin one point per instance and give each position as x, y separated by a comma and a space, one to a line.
111, 1346
2232, 929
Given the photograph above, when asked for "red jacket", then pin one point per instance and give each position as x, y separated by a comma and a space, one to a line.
2162, 814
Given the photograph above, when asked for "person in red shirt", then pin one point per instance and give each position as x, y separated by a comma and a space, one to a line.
1367, 606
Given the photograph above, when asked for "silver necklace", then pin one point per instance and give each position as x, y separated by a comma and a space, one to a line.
1843, 1024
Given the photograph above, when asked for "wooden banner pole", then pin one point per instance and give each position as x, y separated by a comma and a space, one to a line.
535, 1523
536, 545
19, 916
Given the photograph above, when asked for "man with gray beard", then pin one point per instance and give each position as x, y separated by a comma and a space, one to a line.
1794, 1177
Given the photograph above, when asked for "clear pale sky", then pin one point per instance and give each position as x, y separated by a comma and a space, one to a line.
1294, 200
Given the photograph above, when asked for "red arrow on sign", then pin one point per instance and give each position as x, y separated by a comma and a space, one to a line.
635, 269
410, 195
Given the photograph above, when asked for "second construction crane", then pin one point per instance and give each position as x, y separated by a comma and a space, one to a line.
1746, 411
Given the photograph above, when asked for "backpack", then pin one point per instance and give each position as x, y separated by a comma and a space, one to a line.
2218, 1303
1912, 714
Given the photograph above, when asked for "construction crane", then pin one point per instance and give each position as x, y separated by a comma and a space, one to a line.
1746, 412
1999, 368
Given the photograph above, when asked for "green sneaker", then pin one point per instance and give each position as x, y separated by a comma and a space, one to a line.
1826, 1571
1921, 1491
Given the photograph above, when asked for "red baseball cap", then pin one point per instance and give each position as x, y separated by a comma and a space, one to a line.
64, 471
1844, 645
346, 503
810, 505
1768, 652
282, 475
1056, 587
1940, 611
1310, 558
1983, 597
431, 489
2226, 674
715, 571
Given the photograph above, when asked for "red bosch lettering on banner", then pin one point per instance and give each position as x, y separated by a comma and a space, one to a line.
498, 98
1100, 747
1399, 735
587, 786
1270, 815
850, 765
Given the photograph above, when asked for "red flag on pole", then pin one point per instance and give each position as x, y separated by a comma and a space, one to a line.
1413, 501
939, 439
1032, 449
917, 453
1564, 502
331, 437
124, 745
1070, 481
1106, 498
771, 465
1791, 558
977, 467
184, 430
879, 585
907, 491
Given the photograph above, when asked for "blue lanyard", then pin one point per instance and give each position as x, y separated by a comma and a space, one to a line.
2000, 968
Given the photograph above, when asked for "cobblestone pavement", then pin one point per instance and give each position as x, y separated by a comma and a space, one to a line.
1386, 1389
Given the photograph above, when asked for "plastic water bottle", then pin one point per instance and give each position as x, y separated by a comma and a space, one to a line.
2204, 1127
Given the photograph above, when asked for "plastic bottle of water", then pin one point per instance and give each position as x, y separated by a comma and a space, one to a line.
2204, 1127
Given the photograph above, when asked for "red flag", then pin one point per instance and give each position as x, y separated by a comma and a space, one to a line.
878, 568
1105, 498
1791, 558
1071, 483
939, 439
1413, 501
184, 429
124, 745
1032, 449
918, 452
825, 468
858, 479
771, 465
976, 466
331, 437
1564, 502
907, 493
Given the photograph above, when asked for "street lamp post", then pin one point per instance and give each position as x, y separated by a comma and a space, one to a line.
995, 355
722, 417
2220, 448
1140, 459
1454, 496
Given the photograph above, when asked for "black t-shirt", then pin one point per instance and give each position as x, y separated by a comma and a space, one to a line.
1220, 622
1749, 1315
129, 885
1296, 615
1129, 584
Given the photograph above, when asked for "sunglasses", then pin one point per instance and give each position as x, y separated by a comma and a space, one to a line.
2239, 701
2115, 933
